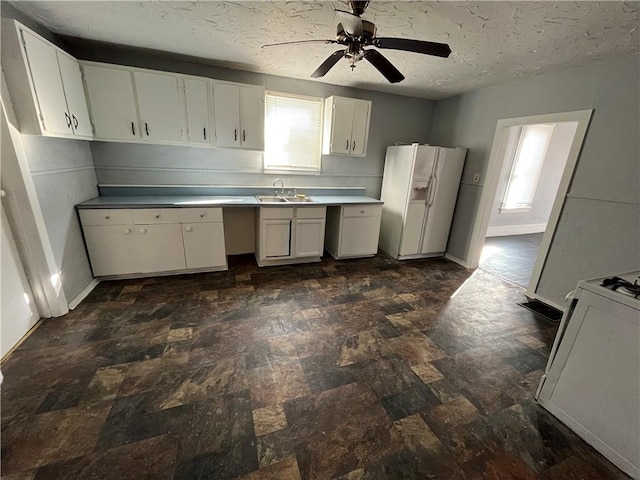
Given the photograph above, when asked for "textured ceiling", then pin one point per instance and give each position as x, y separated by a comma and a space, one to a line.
492, 42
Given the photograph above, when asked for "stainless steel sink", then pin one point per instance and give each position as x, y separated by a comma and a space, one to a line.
273, 199
267, 199
300, 200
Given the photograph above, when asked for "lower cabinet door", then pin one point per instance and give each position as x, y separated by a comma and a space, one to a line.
276, 238
204, 245
159, 247
112, 249
309, 238
359, 236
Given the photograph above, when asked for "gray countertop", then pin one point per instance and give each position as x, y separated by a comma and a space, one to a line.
219, 201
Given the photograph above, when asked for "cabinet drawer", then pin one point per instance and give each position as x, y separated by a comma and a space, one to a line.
200, 215
311, 212
362, 211
106, 216
276, 213
156, 215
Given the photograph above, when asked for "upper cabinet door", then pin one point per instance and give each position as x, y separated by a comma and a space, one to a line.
360, 127
341, 126
112, 103
197, 104
161, 111
74, 93
226, 105
252, 117
47, 83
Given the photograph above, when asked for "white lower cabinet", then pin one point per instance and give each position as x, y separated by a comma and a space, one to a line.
147, 241
159, 248
353, 231
111, 249
204, 245
289, 235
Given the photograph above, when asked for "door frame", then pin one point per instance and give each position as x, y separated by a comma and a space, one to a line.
496, 162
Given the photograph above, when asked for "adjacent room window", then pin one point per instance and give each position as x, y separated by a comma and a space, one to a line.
293, 132
526, 166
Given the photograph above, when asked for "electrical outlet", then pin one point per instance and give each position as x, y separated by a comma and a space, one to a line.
476, 178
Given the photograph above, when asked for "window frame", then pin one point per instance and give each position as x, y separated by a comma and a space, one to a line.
276, 170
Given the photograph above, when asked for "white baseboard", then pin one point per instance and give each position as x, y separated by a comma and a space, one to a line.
83, 294
516, 230
455, 259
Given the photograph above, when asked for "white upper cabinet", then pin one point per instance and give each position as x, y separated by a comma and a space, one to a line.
112, 102
226, 106
45, 85
252, 117
197, 105
239, 115
74, 93
161, 110
346, 126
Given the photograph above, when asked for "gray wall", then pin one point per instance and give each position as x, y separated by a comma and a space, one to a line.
599, 225
63, 175
548, 184
393, 119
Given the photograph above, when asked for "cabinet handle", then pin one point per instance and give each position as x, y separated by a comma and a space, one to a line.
205, 132
188, 229
75, 122
202, 215
107, 217
146, 128
127, 231
157, 215
362, 211
133, 129
235, 135
353, 145
143, 230
244, 135
68, 119
347, 145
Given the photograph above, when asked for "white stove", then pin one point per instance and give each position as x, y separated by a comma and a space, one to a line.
591, 382
622, 287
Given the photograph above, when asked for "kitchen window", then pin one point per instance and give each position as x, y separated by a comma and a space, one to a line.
527, 164
293, 132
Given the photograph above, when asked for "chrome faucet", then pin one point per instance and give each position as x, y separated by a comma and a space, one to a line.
281, 186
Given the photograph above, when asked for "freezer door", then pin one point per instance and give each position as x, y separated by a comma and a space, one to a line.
442, 199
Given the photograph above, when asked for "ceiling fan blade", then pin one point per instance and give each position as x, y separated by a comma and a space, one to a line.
417, 46
298, 41
384, 66
328, 64
351, 23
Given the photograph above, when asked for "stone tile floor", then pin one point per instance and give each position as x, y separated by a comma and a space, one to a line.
362, 369
511, 257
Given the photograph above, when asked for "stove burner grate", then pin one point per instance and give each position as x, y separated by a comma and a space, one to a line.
622, 286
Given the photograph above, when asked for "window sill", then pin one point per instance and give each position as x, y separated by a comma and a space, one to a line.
514, 210
287, 171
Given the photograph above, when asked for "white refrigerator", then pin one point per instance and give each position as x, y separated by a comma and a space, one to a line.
419, 191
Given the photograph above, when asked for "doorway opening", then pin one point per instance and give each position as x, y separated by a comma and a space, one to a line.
530, 169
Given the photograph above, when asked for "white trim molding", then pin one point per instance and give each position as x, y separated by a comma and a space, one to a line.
503, 231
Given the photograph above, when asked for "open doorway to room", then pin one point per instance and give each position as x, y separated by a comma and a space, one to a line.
534, 160
509, 195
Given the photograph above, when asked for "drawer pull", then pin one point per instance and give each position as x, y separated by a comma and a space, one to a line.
202, 215
188, 229
157, 215
107, 217
143, 230
361, 211
127, 231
